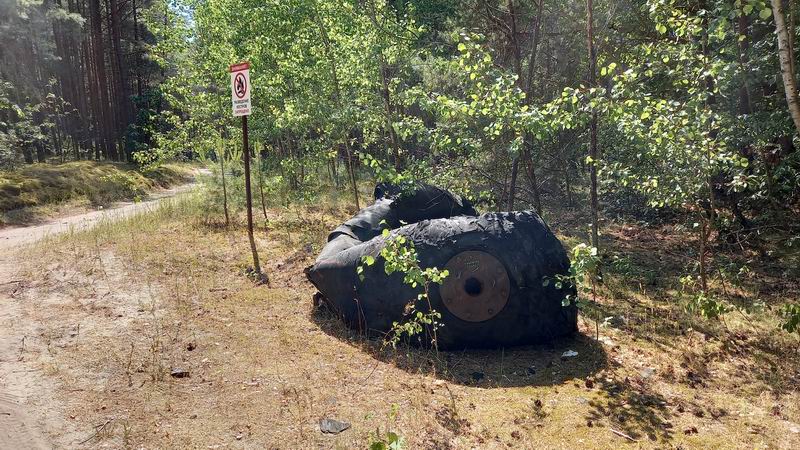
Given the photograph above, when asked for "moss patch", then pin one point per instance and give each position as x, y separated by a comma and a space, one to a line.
95, 183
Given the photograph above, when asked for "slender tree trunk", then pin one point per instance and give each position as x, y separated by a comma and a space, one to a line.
527, 144
224, 185
261, 184
703, 252
337, 93
743, 28
352, 171
512, 188
537, 26
537, 200
40, 157
387, 100
568, 184
791, 31
526, 84
249, 198
27, 154
787, 64
593, 123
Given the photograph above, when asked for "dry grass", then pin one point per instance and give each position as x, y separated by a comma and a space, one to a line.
117, 307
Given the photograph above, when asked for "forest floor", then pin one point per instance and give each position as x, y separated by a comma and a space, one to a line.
94, 324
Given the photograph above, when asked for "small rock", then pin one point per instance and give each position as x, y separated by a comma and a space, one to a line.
794, 429
191, 346
332, 426
616, 321
648, 372
179, 373
582, 400
193, 416
239, 437
569, 354
607, 341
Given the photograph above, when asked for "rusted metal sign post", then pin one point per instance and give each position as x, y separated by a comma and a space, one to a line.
240, 98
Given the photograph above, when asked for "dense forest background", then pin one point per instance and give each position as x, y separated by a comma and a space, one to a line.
511, 101
77, 80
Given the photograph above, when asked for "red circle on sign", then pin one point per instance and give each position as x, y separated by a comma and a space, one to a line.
240, 85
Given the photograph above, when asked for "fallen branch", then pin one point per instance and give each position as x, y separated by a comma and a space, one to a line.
97, 431
621, 434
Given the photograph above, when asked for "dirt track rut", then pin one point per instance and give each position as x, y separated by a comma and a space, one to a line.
29, 414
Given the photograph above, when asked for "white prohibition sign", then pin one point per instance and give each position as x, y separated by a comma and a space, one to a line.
240, 89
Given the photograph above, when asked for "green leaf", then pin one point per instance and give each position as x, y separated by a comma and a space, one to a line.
661, 28
765, 13
461, 47
369, 259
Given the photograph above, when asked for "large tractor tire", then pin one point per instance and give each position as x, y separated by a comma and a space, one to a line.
495, 293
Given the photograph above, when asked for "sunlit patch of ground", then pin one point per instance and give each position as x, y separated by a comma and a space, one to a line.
116, 309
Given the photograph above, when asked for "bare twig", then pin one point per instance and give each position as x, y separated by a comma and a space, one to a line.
97, 431
621, 434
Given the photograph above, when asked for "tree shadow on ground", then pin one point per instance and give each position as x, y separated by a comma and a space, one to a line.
630, 408
534, 365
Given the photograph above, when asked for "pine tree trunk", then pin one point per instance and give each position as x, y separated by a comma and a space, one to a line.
136, 46
104, 117
122, 93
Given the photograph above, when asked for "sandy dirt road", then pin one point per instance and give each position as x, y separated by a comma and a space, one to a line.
30, 417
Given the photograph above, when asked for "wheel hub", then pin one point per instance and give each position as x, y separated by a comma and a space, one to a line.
477, 286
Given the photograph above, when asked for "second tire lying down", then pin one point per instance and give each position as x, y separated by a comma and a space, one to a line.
494, 295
